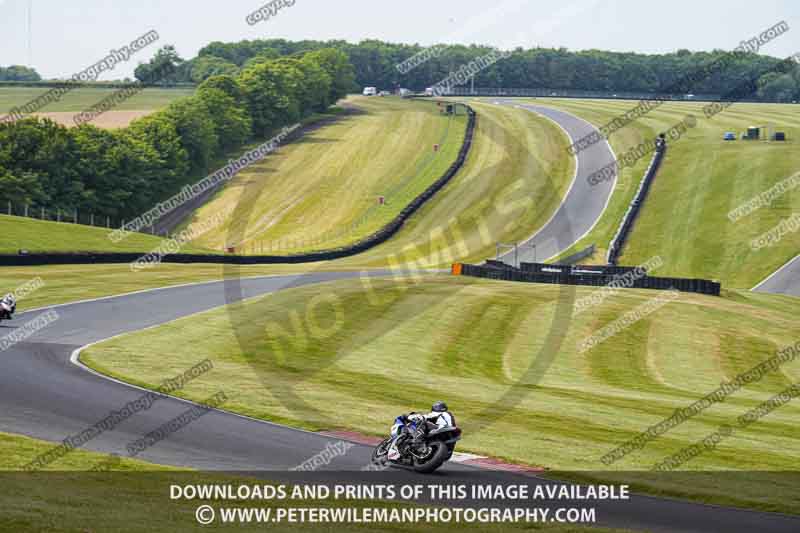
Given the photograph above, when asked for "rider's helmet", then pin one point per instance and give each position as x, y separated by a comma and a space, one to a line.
439, 407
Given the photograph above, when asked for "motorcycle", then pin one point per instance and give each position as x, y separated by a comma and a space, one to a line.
7, 309
423, 450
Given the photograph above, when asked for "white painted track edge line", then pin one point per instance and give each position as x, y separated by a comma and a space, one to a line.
574, 179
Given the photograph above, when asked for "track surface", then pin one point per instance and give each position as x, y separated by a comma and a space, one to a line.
43, 394
583, 204
785, 280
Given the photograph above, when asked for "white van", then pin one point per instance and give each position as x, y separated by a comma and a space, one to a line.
370, 91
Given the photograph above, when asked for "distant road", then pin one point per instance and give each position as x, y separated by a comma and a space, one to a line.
583, 204
785, 280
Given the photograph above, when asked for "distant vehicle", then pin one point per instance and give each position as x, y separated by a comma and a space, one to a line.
729, 136
384, 93
370, 91
405, 93
429, 91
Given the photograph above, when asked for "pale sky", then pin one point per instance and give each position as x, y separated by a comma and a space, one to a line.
69, 36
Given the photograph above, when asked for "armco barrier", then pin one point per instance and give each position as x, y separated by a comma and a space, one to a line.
602, 270
568, 276
364, 244
617, 243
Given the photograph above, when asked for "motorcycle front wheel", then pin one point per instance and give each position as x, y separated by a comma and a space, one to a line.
380, 453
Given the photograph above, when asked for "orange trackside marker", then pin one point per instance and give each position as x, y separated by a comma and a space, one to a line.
456, 270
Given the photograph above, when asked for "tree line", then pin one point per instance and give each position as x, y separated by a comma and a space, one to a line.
18, 73
122, 173
375, 64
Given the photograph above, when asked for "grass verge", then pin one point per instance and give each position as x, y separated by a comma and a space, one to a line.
354, 354
685, 217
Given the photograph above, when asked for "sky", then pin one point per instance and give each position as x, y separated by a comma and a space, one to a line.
68, 36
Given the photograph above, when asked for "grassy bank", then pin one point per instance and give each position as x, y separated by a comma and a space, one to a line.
494, 348
513, 181
20, 233
703, 178
323, 190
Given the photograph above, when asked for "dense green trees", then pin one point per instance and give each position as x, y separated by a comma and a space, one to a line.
253, 88
204, 67
375, 64
18, 73
232, 123
123, 173
165, 67
339, 68
271, 90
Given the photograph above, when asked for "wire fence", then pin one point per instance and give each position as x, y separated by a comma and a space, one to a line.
65, 215
574, 93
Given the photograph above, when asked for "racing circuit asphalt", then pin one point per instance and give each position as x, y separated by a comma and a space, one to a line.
45, 395
583, 204
785, 280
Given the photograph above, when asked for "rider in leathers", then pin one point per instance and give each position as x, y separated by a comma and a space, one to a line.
439, 417
8, 305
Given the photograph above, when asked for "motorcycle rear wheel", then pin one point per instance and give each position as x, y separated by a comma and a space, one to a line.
434, 460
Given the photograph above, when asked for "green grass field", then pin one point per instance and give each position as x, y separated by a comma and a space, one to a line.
365, 353
513, 181
81, 98
322, 191
79, 493
684, 219
386, 343
511, 184
18, 233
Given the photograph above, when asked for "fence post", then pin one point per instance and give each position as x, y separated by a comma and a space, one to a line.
91, 219
108, 222
42, 213
26, 210
58, 215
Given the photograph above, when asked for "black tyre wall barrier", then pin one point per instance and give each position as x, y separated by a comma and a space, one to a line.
618, 242
380, 236
568, 276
